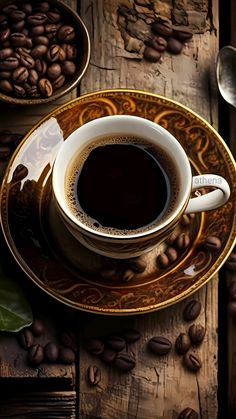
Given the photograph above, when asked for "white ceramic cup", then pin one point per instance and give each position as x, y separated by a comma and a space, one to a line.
132, 245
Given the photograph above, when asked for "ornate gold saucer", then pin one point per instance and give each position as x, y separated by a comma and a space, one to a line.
62, 267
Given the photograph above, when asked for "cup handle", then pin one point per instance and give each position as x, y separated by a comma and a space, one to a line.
211, 200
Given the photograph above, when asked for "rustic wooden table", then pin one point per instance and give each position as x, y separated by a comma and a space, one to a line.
154, 390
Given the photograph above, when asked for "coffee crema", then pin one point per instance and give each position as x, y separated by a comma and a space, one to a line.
121, 185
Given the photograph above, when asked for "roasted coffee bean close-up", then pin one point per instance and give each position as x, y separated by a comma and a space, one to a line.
94, 375
38, 50
159, 345
191, 310
124, 362
26, 338
192, 361
182, 343
35, 354
196, 333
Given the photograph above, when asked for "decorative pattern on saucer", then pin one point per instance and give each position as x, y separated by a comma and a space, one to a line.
65, 269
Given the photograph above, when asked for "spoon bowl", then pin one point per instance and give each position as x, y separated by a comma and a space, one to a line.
226, 74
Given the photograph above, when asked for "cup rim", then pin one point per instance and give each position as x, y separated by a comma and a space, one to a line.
58, 195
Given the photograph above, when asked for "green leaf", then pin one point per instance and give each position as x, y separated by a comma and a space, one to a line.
15, 311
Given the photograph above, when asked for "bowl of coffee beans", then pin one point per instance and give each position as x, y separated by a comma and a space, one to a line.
44, 51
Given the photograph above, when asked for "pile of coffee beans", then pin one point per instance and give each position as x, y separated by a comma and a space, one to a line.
38, 52
62, 352
166, 37
123, 270
112, 350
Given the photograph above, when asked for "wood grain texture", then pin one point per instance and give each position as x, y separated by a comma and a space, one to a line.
20, 119
157, 388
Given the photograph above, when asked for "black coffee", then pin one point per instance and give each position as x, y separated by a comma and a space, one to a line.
120, 184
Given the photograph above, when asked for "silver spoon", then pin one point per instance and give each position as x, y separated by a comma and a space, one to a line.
226, 74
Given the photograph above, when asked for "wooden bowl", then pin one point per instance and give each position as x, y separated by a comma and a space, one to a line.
82, 42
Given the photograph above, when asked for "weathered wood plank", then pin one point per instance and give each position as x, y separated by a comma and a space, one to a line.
156, 388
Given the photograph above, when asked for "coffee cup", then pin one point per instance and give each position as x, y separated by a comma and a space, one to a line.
121, 184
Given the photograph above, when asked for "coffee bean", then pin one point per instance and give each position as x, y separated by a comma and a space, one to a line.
20, 74
70, 50
5, 74
27, 8
172, 254
94, 375
192, 362
108, 356
182, 344
174, 46
28, 43
25, 31
20, 173
19, 90
36, 30
163, 260
124, 362
50, 28
192, 310
68, 339
183, 34
9, 9
36, 354
41, 40
196, 333
232, 308
17, 15
130, 335
157, 43
151, 54
54, 17
183, 241
38, 51
116, 343
9, 63
37, 19
51, 352
127, 275
162, 29
66, 33
6, 86
45, 87
66, 355
41, 66
159, 345
33, 77
32, 91
230, 264
26, 338
138, 264
4, 35
3, 22
53, 53
95, 346
232, 291
172, 238
212, 243
37, 327
188, 413
54, 71
18, 26
42, 6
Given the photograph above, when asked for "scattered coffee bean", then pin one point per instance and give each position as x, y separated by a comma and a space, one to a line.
38, 51
163, 260
37, 327
183, 241
157, 43
188, 413
94, 375
127, 275
17, 39
183, 35
182, 344
172, 254
174, 46
20, 173
192, 362
26, 338
130, 335
196, 333
151, 54
5, 53
212, 243
230, 264
35, 354
124, 362
66, 355
232, 308
108, 356
68, 339
116, 343
95, 346
232, 291
163, 29
9, 63
159, 345
138, 264
192, 310
51, 352
20, 74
